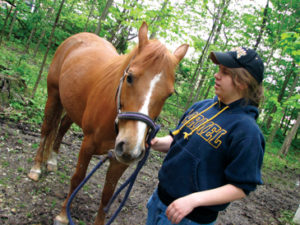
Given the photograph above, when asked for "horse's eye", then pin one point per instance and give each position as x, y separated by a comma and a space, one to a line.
129, 78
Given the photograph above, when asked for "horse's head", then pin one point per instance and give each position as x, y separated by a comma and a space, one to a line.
148, 82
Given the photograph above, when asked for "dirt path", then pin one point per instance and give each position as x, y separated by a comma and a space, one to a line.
23, 201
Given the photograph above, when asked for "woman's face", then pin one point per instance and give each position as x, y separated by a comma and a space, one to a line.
224, 87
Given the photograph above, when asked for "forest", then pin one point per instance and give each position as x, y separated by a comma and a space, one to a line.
31, 31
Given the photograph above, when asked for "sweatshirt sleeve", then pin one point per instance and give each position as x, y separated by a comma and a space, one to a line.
245, 159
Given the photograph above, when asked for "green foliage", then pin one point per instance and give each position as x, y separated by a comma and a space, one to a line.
23, 109
290, 42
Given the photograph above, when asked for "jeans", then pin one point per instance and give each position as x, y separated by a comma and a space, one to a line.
157, 213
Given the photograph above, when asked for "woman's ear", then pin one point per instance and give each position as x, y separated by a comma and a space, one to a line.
242, 87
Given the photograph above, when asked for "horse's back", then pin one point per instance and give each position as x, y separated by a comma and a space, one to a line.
74, 46
74, 69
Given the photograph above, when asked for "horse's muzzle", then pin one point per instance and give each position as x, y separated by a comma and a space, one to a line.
125, 155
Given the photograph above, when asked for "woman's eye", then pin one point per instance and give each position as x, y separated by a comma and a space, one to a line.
129, 78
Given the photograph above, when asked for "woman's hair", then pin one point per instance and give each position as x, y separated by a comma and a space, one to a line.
253, 93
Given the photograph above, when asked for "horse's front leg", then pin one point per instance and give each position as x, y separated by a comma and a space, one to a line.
85, 155
114, 172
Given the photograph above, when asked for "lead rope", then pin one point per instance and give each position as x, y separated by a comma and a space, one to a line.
130, 181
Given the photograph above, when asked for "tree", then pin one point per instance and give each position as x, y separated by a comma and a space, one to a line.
47, 51
6, 20
12, 23
103, 15
263, 25
217, 24
277, 123
90, 14
288, 140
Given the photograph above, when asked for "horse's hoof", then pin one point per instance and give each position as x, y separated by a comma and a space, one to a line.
60, 221
34, 175
51, 168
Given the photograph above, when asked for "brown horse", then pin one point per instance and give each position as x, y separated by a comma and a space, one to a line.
82, 85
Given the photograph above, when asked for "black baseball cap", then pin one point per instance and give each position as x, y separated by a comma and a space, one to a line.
241, 57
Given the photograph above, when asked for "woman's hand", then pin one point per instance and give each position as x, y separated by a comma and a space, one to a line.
161, 144
179, 208
154, 141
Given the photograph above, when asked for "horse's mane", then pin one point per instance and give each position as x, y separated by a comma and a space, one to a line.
154, 53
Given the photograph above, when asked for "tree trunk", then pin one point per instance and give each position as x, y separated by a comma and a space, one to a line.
47, 17
157, 19
288, 122
262, 27
288, 139
48, 48
90, 14
277, 125
280, 96
5, 22
39, 43
283, 118
217, 33
12, 23
195, 78
103, 16
26, 50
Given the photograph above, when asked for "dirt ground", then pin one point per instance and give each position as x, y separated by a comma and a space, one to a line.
23, 201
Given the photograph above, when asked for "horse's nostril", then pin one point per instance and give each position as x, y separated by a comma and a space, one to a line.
119, 148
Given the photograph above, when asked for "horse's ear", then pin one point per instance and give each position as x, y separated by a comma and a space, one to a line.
181, 51
143, 36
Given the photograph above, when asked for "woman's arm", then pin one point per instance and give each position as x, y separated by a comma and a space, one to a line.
181, 207
162, 144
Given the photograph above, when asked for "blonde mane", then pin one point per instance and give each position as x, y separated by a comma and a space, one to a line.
154, 53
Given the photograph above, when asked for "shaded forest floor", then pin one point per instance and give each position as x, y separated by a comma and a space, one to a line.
23, 201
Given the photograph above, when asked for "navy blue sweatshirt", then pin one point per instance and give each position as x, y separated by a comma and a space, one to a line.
216, 145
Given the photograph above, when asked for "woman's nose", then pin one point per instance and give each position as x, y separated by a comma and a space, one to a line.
217, 75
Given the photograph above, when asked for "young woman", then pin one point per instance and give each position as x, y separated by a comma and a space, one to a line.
216, 152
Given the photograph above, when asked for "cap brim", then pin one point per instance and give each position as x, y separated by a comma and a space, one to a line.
224, 59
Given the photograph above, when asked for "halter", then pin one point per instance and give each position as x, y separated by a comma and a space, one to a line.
131, 115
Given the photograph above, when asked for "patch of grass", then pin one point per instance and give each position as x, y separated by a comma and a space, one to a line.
286, 217
3, 181
30, 160
20, 169
276, 162
86, 188
158, 156
22, 205
53, 204
27, 68
5, 164
63, 178
280, 170
47, 190
35, 145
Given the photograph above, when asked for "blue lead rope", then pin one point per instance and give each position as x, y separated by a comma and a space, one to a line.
129, 182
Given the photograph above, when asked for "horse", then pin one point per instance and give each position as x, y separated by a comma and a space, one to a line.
83, 83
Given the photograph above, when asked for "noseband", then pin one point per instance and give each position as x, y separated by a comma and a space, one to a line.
132, 115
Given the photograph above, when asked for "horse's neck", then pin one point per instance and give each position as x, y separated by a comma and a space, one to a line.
110, 77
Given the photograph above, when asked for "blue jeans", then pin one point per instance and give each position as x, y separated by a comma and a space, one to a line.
157, 213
